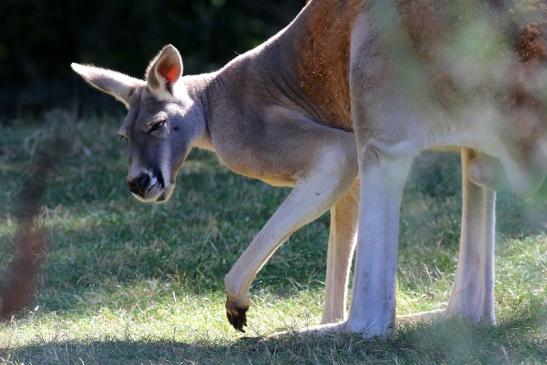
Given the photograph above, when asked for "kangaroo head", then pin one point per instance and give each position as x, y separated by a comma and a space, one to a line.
161, 125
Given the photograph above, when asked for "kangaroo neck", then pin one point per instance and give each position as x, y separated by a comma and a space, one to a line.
200, 90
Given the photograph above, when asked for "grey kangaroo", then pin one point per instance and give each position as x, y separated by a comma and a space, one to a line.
259, 125
284, 113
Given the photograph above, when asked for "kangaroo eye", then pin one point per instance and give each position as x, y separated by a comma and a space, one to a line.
156, 127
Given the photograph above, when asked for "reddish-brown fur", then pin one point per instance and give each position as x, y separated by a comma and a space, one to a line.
530, 46
321, 58
321, 50
532, 53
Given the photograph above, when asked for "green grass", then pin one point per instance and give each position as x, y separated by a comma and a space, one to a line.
127, 282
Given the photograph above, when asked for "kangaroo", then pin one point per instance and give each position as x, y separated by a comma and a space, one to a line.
393, 74
263, 120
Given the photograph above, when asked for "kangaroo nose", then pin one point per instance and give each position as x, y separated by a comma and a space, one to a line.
139, 184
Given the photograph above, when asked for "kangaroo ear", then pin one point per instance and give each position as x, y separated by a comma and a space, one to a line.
164, 71
111, 82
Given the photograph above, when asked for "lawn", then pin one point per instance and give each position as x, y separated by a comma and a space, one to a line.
130, 283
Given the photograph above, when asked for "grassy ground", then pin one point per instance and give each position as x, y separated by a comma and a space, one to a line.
127, 282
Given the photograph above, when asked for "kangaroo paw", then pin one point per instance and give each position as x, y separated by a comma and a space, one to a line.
237, 315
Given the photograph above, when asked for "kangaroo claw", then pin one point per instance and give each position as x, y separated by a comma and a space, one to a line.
236, 315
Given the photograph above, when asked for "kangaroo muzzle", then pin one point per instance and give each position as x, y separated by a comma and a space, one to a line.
149, 187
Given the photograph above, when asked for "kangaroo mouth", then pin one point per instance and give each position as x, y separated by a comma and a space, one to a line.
165, 196
155, 194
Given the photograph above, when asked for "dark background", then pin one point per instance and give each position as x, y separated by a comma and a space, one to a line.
39, 39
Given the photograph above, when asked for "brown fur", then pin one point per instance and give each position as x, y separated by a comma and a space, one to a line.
524, 104
429, 24
530, 45
321, 58
319, 50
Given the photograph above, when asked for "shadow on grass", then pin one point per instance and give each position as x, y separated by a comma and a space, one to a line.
451, 341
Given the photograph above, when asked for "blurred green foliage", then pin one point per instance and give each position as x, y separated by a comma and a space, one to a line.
40, 38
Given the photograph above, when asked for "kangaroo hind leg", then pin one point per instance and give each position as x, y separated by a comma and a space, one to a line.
343, 235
